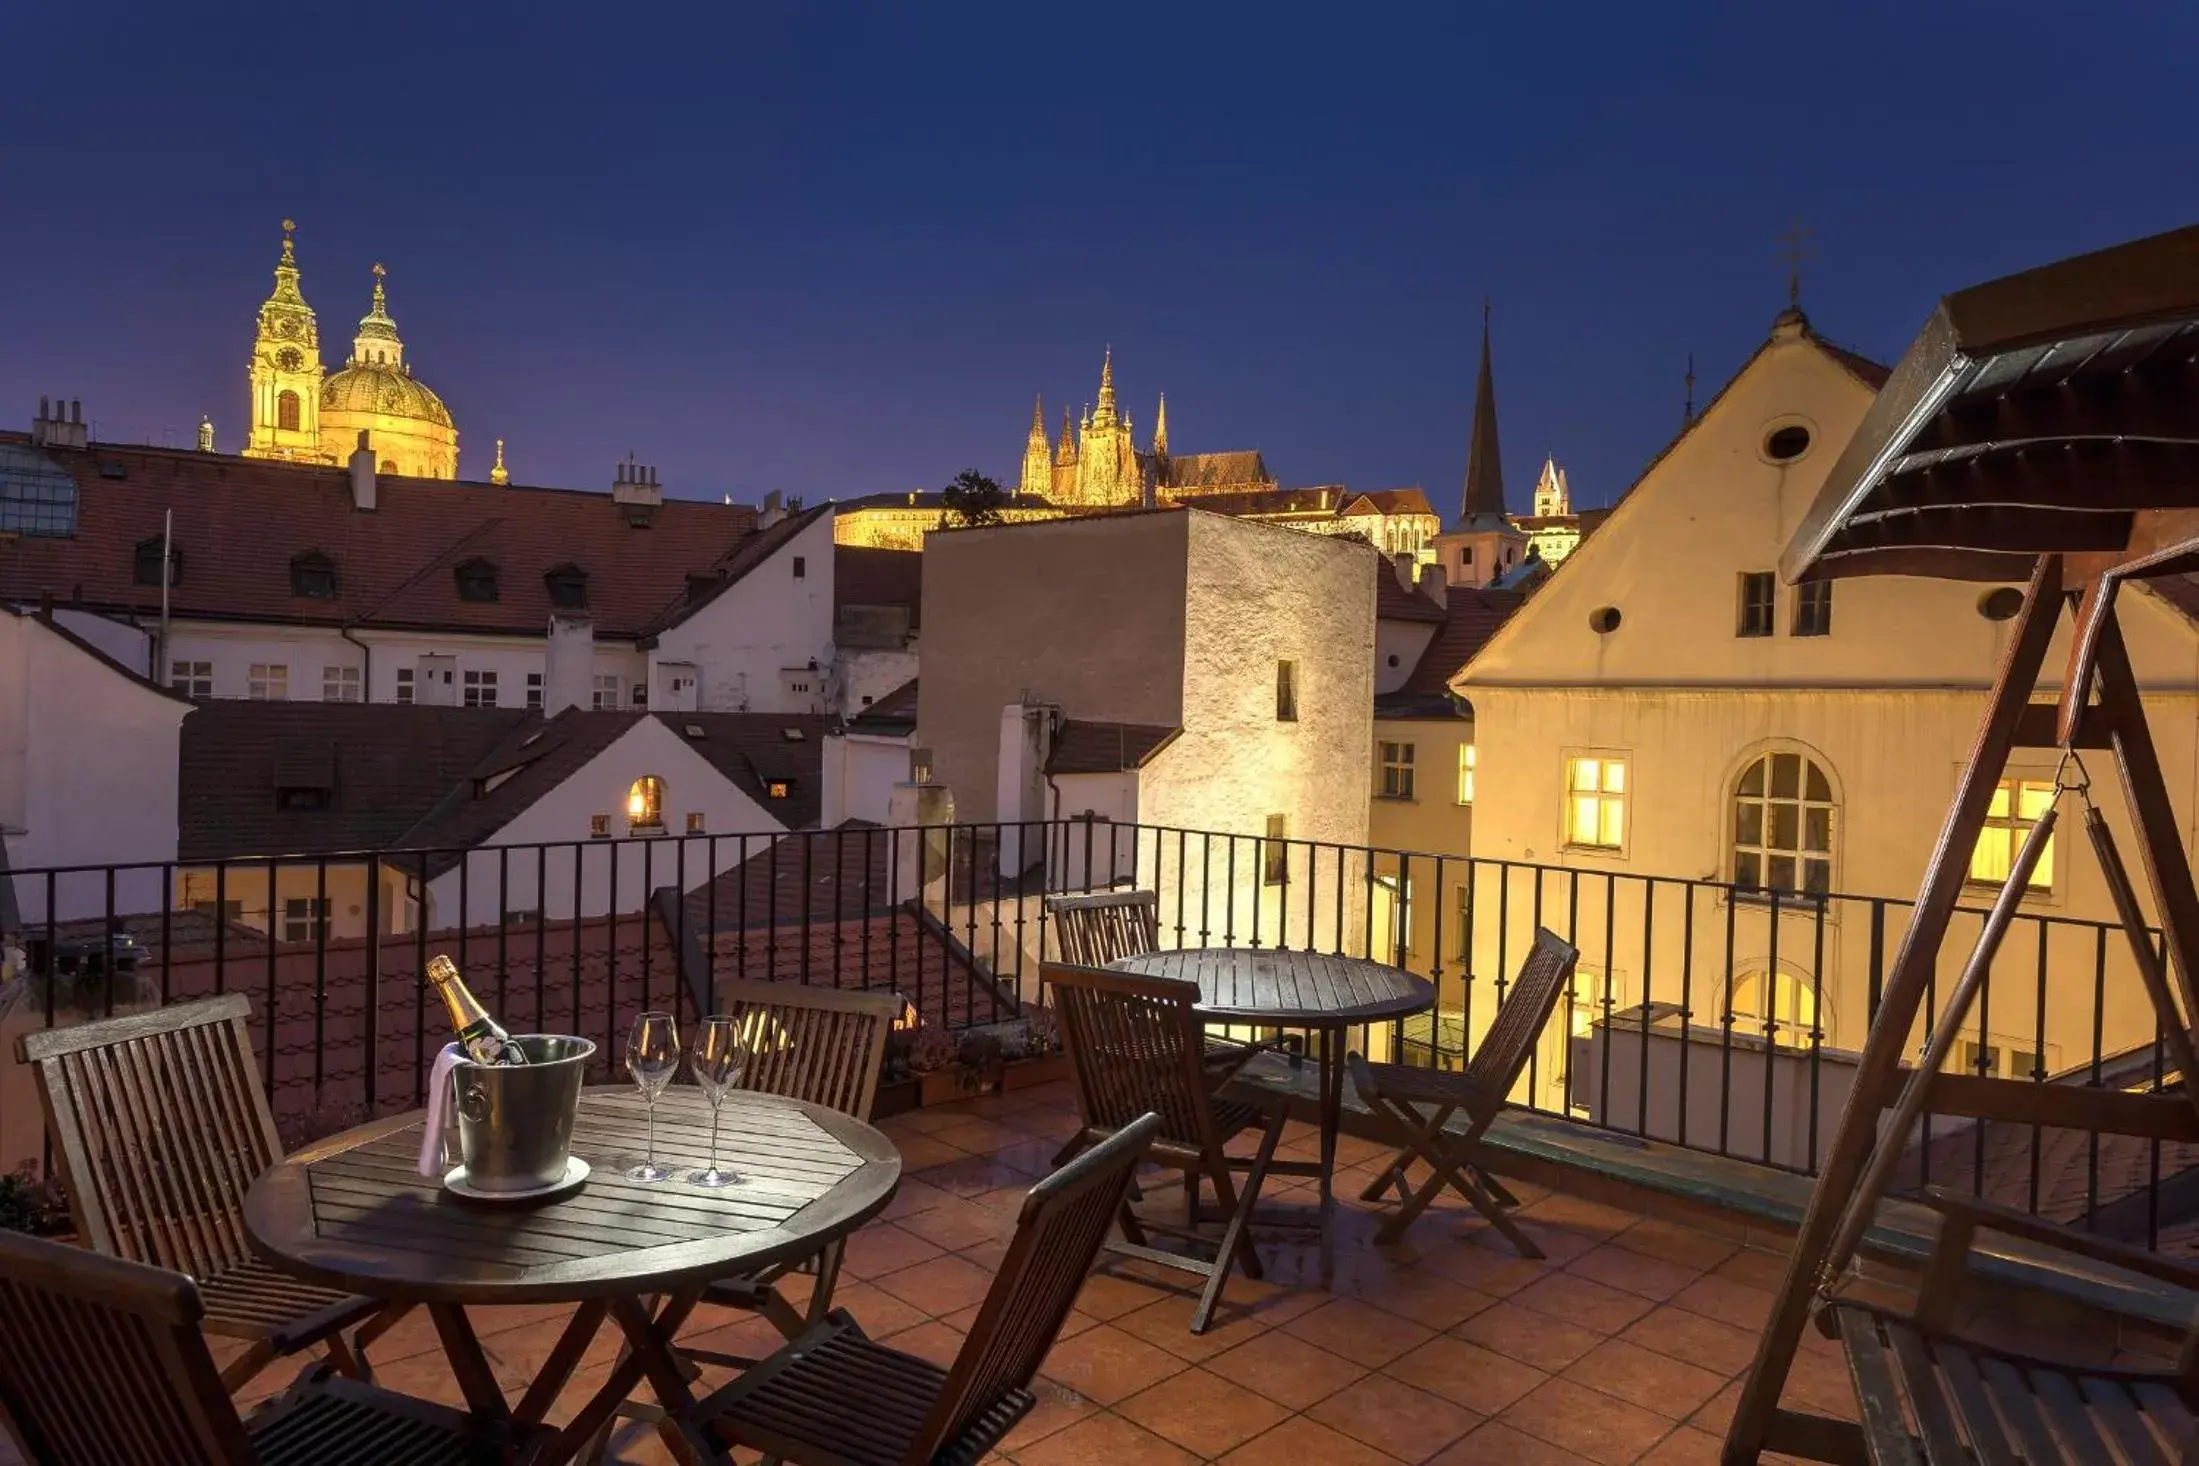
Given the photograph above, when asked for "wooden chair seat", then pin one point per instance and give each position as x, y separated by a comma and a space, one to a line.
1417, 1085
834, 1398
328, 1421
802, 1394
253, 1301
1935, 1399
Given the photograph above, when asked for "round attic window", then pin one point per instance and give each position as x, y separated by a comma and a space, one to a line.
1393, 659
1784, 445
2000, 605
1604, 620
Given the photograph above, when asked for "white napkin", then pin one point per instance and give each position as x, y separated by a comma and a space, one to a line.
439, 1092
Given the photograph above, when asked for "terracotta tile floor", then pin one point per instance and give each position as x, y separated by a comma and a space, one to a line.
1627, 1345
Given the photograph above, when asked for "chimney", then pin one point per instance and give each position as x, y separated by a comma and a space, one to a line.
362, 475
772, 511
636, 485
1432, 581
1401, 565
58, 424
206, 434
569, 665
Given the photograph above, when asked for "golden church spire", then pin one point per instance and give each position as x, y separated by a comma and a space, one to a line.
1104, 415
498, 475
1160, 427
285, 374
1038, 456
1065, 452
377, 341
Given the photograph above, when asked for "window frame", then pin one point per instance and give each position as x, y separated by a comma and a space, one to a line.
1468, 759
200, 672
1812, 611
474, 576
478, 688
1394, 757
1755, 1023
2013, 828
407, 686
645, 804
313, 576
567, 587
1756, 616
1286, 690
534, 691
289, 412
1623, 796
343, 677
603, 683
260, 677
1762, 849
300, 920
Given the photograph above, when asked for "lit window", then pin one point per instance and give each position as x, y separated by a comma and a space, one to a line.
1595, 803
1286, 692
1813, 608
607, 690
1275, 850
480, 689
2016, 807
268, 682
778, 789
1465, 773
192, 679
404, 684
694, 822
1783, 826
340, 684
645, 803
286, 412
1785, 1008
1758, 596
1397, 771
599, 826
1399, 890
305, 919
534, 690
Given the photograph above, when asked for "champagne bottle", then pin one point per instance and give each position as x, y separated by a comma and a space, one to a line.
481, 1036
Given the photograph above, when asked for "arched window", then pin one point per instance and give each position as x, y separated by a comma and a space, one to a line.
645, 803
1779, 1004
1783, 826
286, 411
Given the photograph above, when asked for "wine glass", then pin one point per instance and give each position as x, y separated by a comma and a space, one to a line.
652, 1057
716, 1060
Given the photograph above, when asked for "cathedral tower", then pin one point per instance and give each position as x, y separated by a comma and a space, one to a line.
407, 425
286, 371
1108, 475
1038, 456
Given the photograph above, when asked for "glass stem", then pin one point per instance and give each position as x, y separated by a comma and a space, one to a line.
651, 1107
713, 1140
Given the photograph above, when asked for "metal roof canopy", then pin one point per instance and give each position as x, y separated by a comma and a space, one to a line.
2055, 410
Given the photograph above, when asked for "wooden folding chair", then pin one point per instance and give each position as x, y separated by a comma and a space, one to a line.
1092, 931
161, 1127
834, 1398
1136, 1045
1396, 1094
103, 1363
825, 1046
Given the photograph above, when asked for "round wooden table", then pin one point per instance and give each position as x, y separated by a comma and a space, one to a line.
353, 1212
1319, 993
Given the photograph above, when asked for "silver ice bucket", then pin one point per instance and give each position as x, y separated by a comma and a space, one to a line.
515, 1122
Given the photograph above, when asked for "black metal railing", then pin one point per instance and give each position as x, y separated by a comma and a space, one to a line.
1706, 1015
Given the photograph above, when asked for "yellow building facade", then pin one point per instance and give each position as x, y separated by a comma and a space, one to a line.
304, 414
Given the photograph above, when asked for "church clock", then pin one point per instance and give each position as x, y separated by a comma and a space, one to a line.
286, 371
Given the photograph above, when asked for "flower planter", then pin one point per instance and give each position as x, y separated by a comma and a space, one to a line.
1027, 1073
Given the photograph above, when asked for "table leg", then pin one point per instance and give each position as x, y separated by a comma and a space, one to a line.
635, 1364
1332, 1110
469, 1365
572, 1345
651, 1346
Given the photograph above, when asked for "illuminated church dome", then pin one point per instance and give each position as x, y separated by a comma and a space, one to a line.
407, 425
302, 415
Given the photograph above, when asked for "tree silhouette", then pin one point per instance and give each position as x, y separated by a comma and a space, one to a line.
972, 500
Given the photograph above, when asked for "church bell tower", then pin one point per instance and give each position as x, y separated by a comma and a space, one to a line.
286, 371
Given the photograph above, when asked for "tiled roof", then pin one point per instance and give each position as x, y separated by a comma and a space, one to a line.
893, 713
391, 764
1086, 747
434, 777
866, 577
1198, 471
240, 521
734, 566
1398, 501
1469, 620
1392, 602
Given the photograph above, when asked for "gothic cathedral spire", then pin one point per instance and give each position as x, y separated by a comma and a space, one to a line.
1160, 427
1484, 496
286, 370
1038, 456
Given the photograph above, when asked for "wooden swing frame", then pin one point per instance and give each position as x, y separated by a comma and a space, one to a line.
2046, 427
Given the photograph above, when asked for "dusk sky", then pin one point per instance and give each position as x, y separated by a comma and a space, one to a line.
835, 250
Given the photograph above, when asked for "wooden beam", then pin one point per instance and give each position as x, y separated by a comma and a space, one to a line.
2155, 398
2039, 728
2066, 1106
1878, 1070
1992, 567
1987, 527
2162, 542
2104, 476
2093, 608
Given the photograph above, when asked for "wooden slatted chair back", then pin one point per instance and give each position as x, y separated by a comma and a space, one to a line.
1093, 931
161, 1126
1136, 1045
1505, 1049
102, 1363
1063, 1222
823, 1045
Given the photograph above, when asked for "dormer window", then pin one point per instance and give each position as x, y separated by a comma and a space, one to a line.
302, 798
568, 586
313, 575
148, 563
476, 580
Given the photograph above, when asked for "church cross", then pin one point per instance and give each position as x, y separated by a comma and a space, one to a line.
1794, 248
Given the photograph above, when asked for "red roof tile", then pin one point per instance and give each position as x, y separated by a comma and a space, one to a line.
1472, 617
1392, 602
240, 521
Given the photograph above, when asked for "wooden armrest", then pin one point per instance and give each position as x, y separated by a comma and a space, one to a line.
1969, 1214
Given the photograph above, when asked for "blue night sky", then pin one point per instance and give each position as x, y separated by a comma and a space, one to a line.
835, 250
